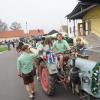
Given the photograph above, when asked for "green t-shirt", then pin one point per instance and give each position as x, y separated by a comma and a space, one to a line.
60, 46
25, 62
39, 47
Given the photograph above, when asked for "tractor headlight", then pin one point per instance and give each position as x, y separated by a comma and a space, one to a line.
86, 79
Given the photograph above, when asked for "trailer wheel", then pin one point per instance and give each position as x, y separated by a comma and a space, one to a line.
47, 81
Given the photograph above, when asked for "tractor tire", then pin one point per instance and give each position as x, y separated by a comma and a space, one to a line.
47, 81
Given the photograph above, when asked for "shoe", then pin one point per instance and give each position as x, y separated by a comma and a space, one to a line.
31, 96
33, 93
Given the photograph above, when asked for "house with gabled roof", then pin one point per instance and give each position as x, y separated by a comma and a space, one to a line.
84, 19
17, 34
10, 35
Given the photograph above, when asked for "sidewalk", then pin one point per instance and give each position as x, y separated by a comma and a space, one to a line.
94, 54
93, 40
94, 49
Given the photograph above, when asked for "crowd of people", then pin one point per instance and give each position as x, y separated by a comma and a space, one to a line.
29, 56
9, 43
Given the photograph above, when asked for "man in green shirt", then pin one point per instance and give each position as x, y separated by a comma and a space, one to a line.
39, 47
25, 68
59, 47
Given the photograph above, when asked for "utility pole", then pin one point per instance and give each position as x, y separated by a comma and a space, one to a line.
74, 27
26, 26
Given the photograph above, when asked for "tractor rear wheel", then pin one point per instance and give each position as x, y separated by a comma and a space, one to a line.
47, 81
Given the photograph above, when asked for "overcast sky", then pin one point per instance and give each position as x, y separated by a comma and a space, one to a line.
43, 14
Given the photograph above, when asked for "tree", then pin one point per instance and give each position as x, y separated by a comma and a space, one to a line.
3, 26
15, 26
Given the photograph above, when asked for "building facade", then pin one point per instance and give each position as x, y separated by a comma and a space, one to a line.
84, 20
92, 20
11, 35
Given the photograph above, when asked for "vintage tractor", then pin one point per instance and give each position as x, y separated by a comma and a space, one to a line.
78, 73
51, 74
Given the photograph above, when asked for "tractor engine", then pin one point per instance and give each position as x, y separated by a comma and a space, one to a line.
89, 75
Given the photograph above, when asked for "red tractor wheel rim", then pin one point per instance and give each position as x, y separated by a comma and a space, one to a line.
44, 78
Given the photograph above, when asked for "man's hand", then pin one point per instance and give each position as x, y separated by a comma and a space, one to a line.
19, 74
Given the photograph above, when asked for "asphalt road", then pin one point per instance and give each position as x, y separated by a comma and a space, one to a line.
12, 88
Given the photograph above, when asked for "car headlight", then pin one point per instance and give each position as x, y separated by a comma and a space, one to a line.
86, 79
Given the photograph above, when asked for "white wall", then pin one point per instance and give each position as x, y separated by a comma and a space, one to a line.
71, 26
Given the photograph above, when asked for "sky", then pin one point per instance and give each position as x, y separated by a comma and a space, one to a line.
39, 14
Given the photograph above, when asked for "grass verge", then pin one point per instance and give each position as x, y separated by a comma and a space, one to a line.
3, 49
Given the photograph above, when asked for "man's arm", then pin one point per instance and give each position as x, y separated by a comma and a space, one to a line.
40, 47
67, 45
18, 68
35, 51
54, 46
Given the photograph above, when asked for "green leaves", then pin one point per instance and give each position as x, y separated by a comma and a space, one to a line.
95, 77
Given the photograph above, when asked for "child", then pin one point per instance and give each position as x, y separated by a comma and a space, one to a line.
80, 46
25, 68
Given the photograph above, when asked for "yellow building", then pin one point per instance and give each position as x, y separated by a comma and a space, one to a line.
93, 18
89, 14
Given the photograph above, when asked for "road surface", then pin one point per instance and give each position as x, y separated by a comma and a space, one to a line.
12, 88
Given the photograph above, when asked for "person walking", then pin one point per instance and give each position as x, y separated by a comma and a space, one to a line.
8, 45
25, 68
13, 44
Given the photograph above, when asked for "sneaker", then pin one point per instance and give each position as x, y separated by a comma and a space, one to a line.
33, 93
31, 96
